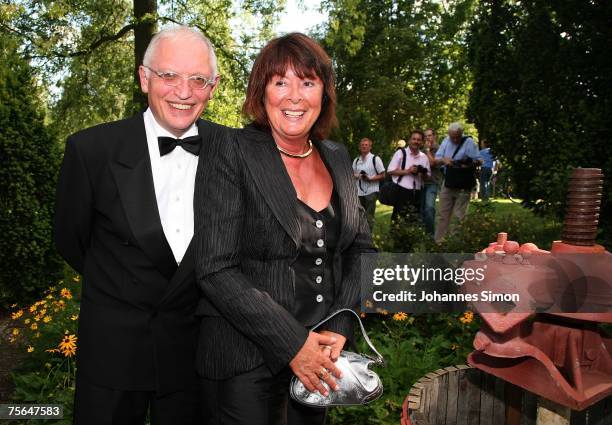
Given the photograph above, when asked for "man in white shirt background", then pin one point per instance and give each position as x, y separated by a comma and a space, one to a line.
369, 170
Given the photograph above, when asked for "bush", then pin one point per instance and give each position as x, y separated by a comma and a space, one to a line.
412, 347
485, 221
29, 161
479, 227
46, 331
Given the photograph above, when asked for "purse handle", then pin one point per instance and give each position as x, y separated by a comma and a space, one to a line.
379, 358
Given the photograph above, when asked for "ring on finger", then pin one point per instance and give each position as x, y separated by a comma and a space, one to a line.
323, 373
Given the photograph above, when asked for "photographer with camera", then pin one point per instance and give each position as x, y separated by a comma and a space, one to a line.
459, 154
366, 171
412, 177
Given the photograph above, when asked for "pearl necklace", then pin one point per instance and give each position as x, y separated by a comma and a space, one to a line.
297, 155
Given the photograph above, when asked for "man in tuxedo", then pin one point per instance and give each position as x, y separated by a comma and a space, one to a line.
124, 220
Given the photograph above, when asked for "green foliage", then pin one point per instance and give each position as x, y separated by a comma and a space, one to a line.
542, 94
412, 347
479, 228
399, 66
29, 159
46, 331
84, 52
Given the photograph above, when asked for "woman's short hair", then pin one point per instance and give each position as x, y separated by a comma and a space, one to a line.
308, 59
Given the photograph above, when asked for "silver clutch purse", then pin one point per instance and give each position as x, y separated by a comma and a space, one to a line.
359, 384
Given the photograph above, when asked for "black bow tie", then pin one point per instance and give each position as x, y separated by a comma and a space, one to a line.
190, 144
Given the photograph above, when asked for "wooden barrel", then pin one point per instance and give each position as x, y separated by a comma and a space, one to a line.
462, 395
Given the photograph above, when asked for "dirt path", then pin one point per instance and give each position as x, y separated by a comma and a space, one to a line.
10, 355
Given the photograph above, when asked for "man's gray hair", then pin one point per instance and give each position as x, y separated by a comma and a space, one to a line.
174, 33
455, 127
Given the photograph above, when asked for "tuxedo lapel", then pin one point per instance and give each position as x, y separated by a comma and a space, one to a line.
343, 184
134, 179
271, 178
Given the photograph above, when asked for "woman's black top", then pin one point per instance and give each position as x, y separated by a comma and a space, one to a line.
314, 282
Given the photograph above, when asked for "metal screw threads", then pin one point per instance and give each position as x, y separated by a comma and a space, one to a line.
583, 201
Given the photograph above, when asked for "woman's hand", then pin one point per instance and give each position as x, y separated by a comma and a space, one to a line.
311, 365
333, 350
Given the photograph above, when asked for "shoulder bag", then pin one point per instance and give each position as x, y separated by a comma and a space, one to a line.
459, 176
390, 191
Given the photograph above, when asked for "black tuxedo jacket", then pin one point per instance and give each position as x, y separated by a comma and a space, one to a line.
137, 330
246, 211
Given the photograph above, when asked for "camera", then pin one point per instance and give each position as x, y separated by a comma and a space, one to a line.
420, 170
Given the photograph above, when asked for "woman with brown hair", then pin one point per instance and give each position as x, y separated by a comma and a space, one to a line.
280, 234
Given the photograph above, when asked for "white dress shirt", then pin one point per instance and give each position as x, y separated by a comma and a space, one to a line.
174, 181
364, 187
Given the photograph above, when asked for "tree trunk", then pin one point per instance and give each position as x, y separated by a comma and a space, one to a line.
145, 15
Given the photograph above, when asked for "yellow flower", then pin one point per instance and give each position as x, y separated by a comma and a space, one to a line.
14, 305
467, 317
454, 346
47, 319
401, 316
33, 308
49, 297
77, 278
34, 326
16, 315
74, 317
30, 348
65, 293
37, 335
363, 315
52, 350
12, 340
61, 304
15, 331
68, 345
27, 321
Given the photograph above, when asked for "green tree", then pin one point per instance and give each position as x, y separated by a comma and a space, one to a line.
87, 52
400, 65
29, 159
542, 94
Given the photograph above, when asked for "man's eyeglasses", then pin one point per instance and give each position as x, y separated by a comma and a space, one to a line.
173, 79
